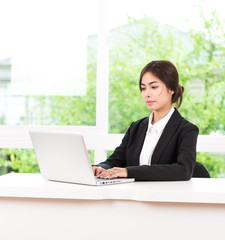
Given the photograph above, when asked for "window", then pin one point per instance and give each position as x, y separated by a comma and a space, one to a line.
188, 33
75, 65
48, 57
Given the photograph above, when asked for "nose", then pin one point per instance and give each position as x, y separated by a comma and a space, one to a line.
147, 93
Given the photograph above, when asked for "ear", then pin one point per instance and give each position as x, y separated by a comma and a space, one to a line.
171, 92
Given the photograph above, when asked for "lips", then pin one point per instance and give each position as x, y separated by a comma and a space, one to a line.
149, 102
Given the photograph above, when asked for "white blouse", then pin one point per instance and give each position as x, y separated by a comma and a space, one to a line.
152, 136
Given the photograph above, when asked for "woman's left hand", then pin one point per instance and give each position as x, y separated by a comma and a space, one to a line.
113, 173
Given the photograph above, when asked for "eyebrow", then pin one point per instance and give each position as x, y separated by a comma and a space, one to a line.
149, 83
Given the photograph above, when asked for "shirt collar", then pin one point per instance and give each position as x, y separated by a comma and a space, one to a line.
160, 125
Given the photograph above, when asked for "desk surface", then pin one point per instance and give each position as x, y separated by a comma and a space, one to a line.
197, 190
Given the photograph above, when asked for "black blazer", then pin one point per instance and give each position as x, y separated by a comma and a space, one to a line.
174, 156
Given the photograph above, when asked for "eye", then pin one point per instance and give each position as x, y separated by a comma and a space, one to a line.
142, 89
154, 87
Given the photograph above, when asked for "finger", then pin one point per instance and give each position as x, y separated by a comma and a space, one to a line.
103, 174
118, 172
94, 169
98, 171
114, 174
111, 173
107, 173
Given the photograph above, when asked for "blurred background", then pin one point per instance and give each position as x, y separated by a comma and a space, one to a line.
49, 53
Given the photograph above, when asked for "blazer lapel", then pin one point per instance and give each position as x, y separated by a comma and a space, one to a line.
140, 141
166, 136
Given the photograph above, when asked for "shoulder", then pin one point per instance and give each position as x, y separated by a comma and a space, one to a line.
139, 125
184, 124
140, 122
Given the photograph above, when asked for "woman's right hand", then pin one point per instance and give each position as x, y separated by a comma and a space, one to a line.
97, 170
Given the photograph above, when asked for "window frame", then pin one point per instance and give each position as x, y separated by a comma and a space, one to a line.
18, 136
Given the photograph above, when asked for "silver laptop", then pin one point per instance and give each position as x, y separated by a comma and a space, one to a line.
62, 156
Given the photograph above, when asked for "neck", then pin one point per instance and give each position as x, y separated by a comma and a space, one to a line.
160, 114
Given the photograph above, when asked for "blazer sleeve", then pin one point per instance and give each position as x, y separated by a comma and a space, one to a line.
184, 159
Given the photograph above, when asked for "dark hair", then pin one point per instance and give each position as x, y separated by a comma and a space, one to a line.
167, 73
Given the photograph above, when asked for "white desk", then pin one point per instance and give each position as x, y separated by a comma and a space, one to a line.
33, 208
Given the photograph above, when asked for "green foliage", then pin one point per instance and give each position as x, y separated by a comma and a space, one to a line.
199, 57
23, 160
215, 164
19, 160
91, 155
132, 48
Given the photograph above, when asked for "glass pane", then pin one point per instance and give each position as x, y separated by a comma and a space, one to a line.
48, 62
188, 33
214, 163
23, 161
18, 160
109, 153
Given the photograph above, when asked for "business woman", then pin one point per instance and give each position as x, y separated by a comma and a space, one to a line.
163, 146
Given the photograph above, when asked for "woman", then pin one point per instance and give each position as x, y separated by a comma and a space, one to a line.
163, 146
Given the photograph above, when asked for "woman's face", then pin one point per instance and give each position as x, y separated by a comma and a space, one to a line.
155, 93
